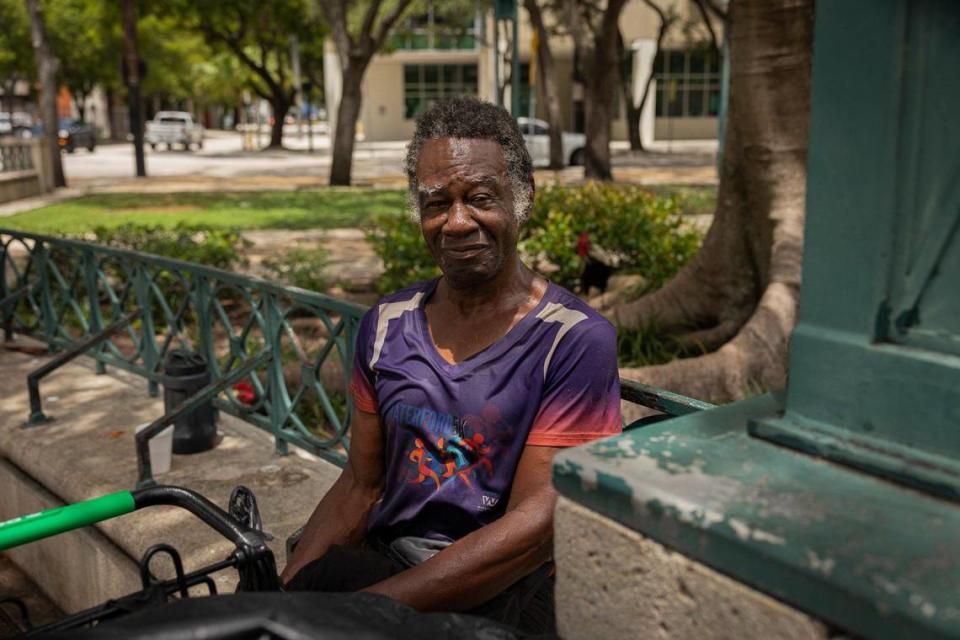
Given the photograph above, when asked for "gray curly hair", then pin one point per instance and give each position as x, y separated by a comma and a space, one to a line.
466, 117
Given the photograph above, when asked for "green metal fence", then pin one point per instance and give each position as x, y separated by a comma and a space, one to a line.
62, 291
66, 292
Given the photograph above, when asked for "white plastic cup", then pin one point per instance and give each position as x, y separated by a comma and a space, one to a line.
161, 448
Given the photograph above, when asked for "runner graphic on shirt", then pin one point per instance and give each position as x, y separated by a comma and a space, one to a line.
455, 454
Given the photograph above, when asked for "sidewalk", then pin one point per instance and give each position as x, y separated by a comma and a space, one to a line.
88, 451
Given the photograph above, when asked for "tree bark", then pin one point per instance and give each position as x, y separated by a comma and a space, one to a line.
80, 97
280, 104
745, 280
355, 54
596, 38
47, 67
666, 21
626, 84
131, 56
347, 113
548, 85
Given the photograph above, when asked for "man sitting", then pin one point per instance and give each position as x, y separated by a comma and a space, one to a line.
464, 388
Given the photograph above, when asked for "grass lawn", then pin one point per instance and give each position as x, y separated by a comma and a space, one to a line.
308, 209
320, 208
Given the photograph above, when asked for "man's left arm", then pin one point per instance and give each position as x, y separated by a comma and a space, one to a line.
482, 564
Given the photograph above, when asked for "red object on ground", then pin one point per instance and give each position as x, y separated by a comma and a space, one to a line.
245, 393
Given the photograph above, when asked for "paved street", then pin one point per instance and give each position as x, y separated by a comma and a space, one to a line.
380, 163
223, 156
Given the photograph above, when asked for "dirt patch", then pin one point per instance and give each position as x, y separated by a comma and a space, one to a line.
353, 266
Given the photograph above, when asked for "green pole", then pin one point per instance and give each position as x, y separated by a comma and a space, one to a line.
51, 522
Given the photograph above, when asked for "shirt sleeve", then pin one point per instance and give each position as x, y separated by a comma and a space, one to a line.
361, 382
581, 399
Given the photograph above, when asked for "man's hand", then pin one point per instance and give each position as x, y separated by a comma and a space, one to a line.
480, 565
341, 516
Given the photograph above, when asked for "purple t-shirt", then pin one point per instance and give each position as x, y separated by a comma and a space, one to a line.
454, 433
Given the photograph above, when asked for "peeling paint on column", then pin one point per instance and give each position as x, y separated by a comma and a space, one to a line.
786, 523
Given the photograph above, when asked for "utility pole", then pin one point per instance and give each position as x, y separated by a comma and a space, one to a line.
131, 68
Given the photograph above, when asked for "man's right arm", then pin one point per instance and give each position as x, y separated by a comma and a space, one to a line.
341, 516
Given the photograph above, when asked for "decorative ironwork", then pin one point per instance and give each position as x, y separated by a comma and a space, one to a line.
65, 291
15, 156
33, 379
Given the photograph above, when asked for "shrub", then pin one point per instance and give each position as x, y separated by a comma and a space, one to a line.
212, 247
302, 268
397, 241
646, 229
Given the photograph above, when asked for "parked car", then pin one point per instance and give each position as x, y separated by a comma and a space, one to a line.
71, 134
536, 133
75, 133
174, 127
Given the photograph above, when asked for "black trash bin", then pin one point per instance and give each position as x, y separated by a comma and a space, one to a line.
184, 373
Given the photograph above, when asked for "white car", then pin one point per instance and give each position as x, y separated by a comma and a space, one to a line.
536, 133
174, 127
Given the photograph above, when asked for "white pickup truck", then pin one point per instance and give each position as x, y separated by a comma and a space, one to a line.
174, 127
536, 134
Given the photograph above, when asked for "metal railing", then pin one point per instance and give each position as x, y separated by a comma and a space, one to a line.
15, 155
297, 345
65, 291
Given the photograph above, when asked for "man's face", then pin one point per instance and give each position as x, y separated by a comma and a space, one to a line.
466, 209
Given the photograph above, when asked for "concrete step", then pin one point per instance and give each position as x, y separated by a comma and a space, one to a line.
88, 451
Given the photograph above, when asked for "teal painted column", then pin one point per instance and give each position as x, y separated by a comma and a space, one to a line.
838, 496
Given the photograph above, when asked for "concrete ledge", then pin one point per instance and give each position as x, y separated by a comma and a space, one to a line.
15, 185
77, 570
88, 450
613, 582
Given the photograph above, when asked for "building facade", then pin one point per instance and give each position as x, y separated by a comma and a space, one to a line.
429, 58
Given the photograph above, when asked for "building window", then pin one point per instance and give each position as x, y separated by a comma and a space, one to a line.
688, 83
424, 84
438, 29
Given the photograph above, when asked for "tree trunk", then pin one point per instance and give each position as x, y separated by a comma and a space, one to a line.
665, 23
626, 83
347, 114
131, 57
739, 294
598, 44
80, 98
279, 104
548, 85
600, 94
47, 67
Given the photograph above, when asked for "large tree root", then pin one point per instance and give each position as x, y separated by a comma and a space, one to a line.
753, 361
740, 292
